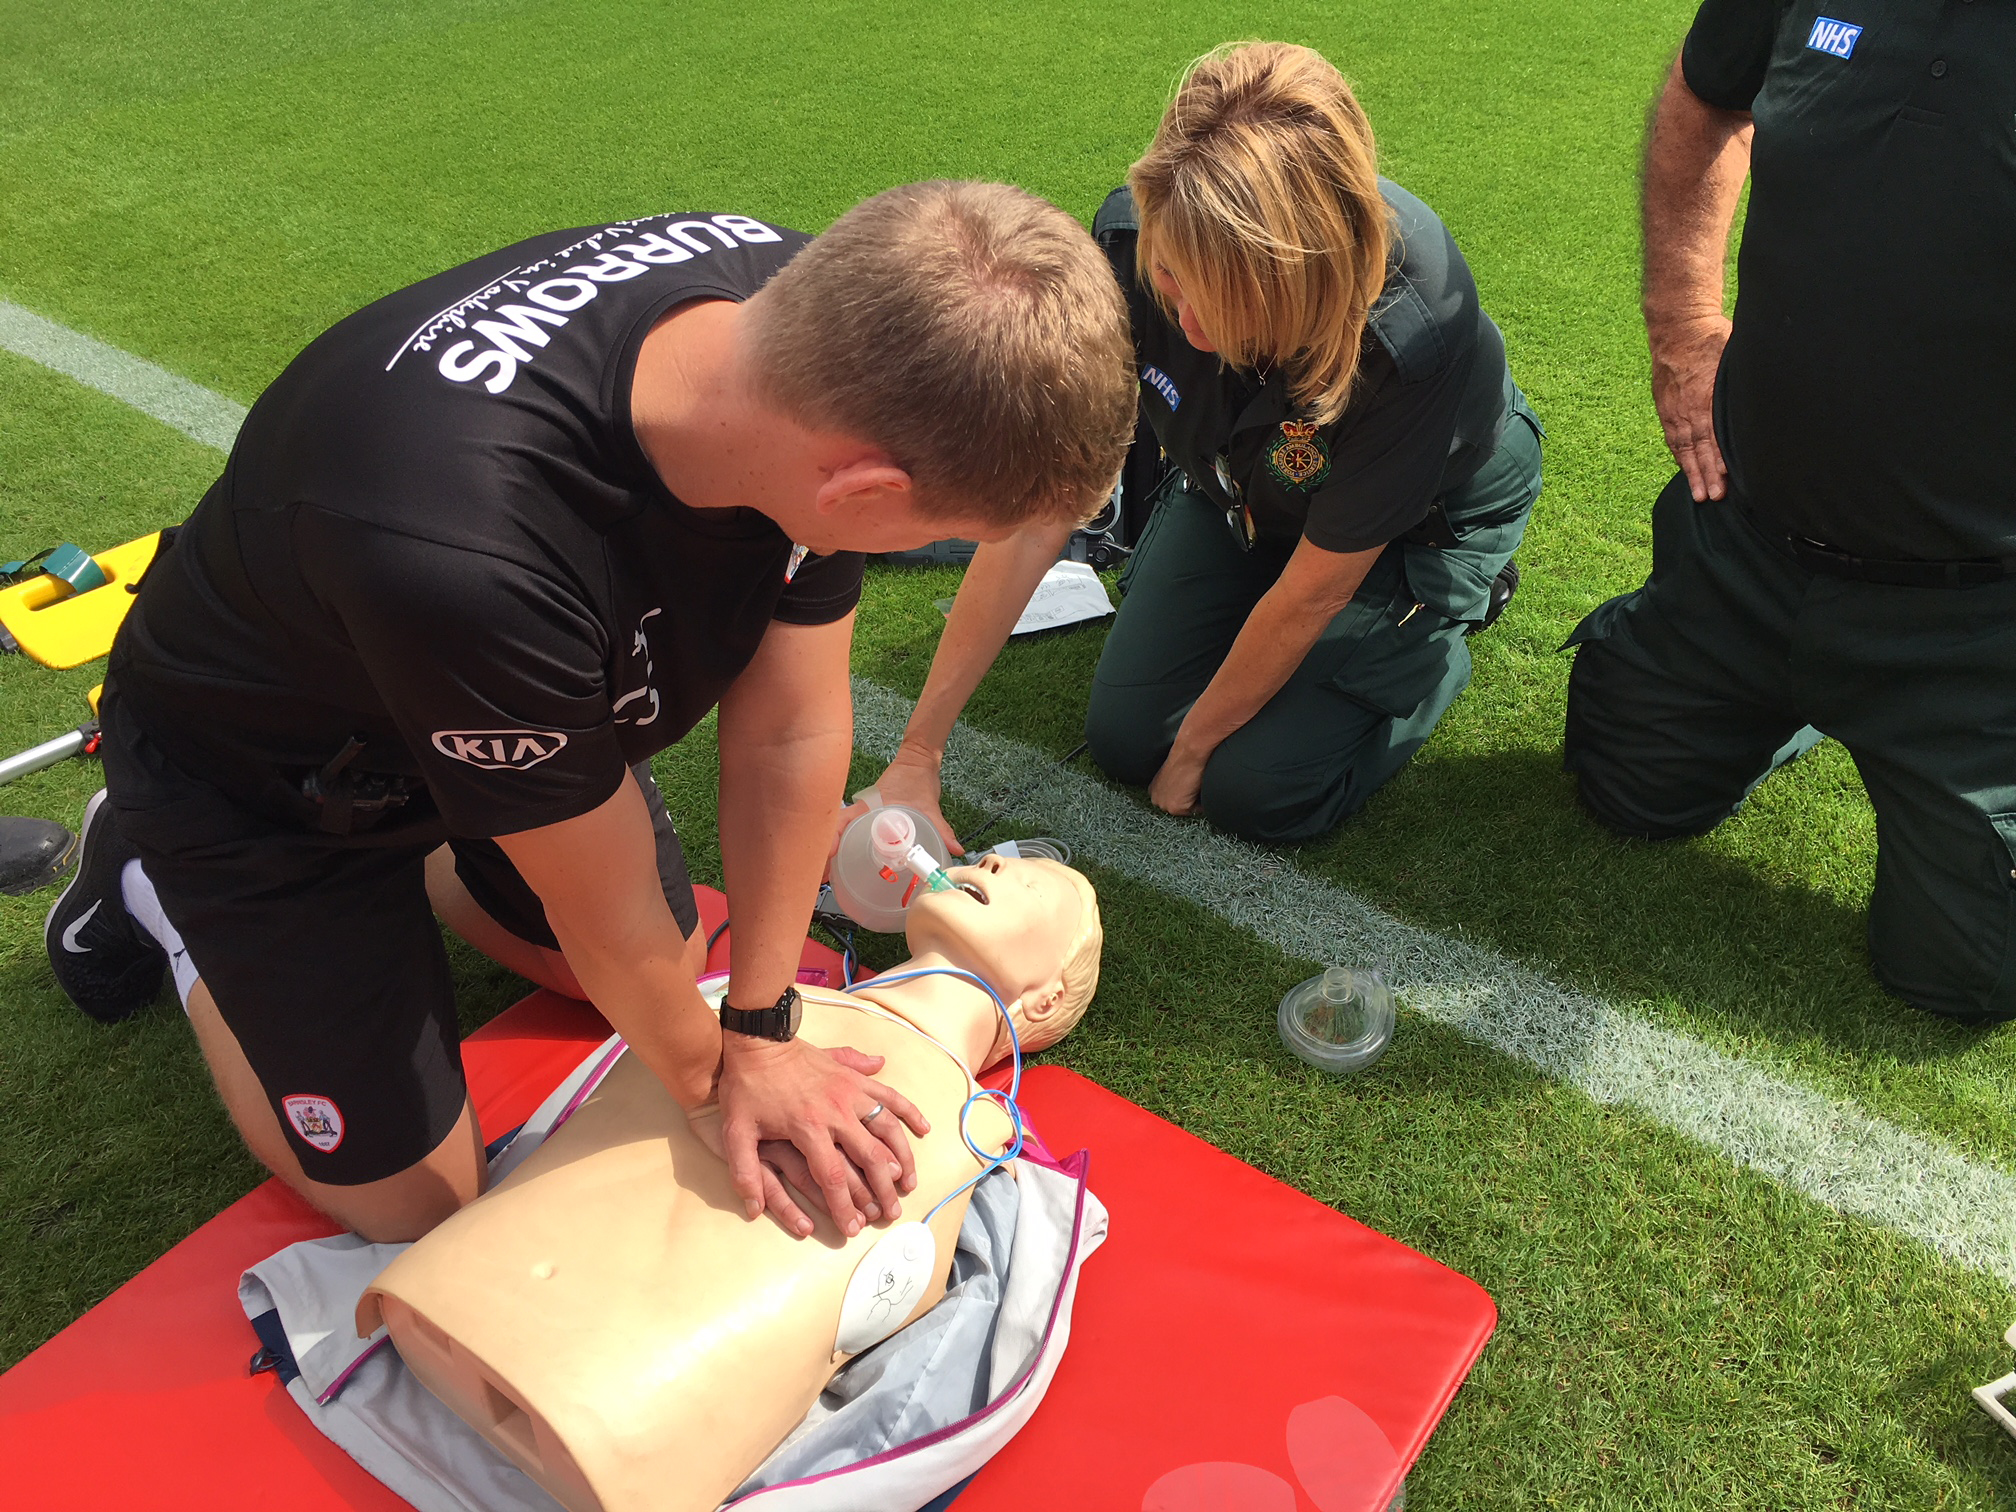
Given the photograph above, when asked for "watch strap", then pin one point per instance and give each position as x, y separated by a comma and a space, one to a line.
777, 1022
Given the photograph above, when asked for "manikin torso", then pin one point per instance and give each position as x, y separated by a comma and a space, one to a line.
610, 1321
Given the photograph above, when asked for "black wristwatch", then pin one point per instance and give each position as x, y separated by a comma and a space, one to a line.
777, 1022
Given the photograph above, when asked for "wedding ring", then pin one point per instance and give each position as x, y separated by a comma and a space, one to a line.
872, 1114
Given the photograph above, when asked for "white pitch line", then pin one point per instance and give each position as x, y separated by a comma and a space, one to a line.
1825, 1147
197, 412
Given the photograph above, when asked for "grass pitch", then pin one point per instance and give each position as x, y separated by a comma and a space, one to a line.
209, 186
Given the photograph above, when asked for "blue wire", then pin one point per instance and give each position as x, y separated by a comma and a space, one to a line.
989, 1163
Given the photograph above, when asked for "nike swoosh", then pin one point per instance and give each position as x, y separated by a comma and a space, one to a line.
70, 935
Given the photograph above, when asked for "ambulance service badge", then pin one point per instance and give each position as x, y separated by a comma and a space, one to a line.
1299, 459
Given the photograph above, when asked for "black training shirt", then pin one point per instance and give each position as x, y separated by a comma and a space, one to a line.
1868, 395
437, 533
1428, 406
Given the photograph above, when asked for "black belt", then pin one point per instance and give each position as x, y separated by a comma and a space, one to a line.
1832, 561
346, 799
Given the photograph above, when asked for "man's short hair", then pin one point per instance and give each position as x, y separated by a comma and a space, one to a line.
973, 332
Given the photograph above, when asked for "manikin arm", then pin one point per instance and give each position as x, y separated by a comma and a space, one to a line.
992, 596
1696, 159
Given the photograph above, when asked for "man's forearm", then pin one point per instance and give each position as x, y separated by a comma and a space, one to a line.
787, 732
597, 877
776, 816
995, 591
1696, 159
645, 988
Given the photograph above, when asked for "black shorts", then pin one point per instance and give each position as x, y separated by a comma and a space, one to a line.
324, 956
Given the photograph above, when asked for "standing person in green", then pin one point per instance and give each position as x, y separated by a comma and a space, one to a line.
1837, 554
1356, 468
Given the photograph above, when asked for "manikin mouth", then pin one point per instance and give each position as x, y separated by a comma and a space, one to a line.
972, 891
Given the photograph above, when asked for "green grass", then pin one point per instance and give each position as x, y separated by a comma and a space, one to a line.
211, 185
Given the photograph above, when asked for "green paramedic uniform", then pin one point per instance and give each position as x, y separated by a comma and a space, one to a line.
1860, 577
1437, 459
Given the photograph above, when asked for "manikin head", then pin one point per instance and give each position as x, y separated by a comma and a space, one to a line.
971, 341
1030, 929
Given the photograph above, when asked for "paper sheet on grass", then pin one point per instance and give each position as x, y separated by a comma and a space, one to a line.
1069, 594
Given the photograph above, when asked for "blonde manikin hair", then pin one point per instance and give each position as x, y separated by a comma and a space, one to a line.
1080, 976
1260, 197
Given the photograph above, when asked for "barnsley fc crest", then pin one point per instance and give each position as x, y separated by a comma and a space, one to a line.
316, 1119
1299, 459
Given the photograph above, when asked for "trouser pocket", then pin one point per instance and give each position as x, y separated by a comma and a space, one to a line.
1487, 518
1168, 493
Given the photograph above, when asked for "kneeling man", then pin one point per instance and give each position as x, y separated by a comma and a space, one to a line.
1837, 554
483, 549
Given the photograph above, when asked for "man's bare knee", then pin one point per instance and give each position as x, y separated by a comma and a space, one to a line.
456, 908
398, 1207
404, 1206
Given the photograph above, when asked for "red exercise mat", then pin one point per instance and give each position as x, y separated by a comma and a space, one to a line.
144, 1402
1196, 1359
1233, 1342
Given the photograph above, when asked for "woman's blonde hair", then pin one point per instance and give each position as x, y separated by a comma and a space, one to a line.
1260, 196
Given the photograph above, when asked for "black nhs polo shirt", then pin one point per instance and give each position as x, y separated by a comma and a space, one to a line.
1868, 395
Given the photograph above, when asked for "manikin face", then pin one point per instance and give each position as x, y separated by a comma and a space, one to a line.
1010, 922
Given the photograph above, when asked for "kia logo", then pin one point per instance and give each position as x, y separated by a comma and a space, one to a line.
494, 750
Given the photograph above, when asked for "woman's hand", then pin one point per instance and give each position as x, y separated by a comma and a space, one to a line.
996, 589
1176, 786
1290, 617
911, 780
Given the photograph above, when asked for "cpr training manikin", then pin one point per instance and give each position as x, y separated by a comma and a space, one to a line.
608, 1319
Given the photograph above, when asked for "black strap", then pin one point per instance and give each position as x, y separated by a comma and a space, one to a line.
168, 534
1434, 530
1115, 216
348, 800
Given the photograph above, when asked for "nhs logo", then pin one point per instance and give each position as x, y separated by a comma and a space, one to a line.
1159, 381
1835, 37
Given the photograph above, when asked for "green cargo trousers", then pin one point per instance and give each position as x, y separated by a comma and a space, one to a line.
1364, 698
1733, 658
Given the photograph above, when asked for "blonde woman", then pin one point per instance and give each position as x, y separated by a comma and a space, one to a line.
1353, 468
